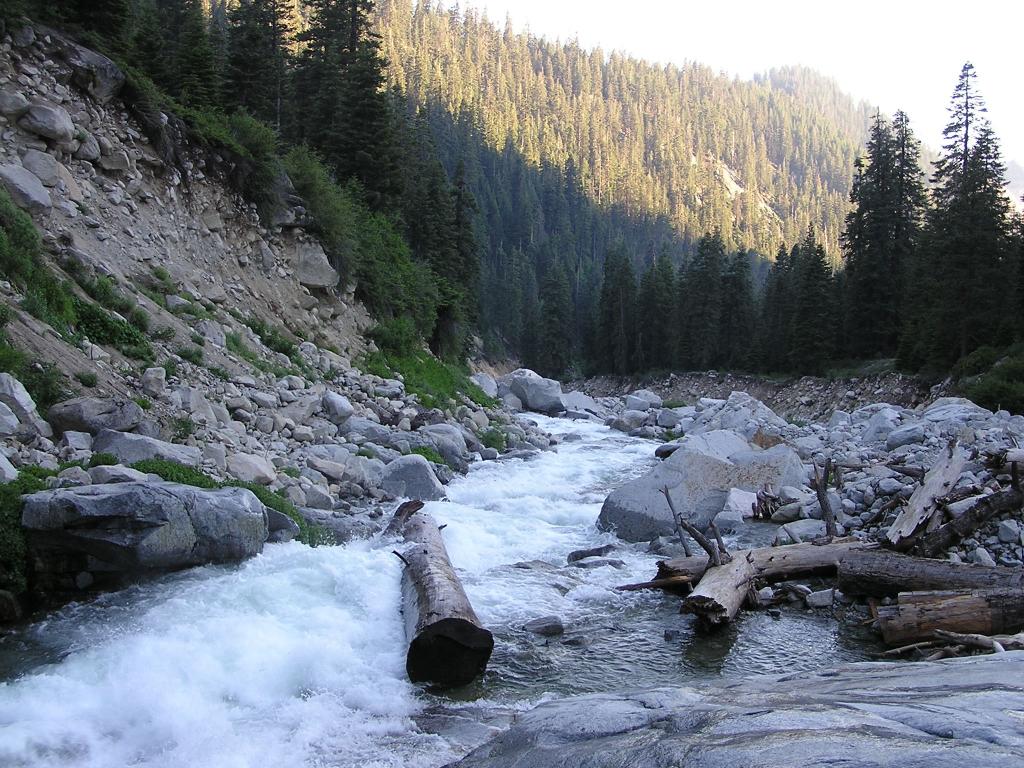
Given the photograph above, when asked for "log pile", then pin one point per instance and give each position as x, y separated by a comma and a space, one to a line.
447, 645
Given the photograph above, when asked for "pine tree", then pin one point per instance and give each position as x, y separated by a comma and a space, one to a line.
555, 349
701, 304
967, 240
195, 75
812, 330
617, 315
736, 322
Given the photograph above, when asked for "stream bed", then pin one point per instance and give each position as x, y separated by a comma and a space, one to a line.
296, 657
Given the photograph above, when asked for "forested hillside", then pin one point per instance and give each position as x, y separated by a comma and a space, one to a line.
572, 151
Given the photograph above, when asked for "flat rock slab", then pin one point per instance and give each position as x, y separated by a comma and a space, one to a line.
872, 715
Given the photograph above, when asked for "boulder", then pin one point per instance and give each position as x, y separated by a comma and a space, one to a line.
94, 73
25, 189
8, 471
580, 402
312, 267
486, 383
251, 469
12, 103
140, 526
116, 473
49, 121
947, 714
14, 395
94, 414
43, 166
699, 474
799, 530
336, 407
953, 413
392, 389
130, 448
908, 434
546, 626
643, 400
9, 422
881, 423
629, 420
280, 527
740, 413
412, 477
536, 392
739, 505
154, 382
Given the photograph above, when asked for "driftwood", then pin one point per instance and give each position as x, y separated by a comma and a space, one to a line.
721, 592
447, 645
923, 504
881, 573
917, 615
997, 643
821, 489
936, 542
775, 563
671, 584
718, 556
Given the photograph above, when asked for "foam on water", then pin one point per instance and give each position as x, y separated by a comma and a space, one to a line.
296, 657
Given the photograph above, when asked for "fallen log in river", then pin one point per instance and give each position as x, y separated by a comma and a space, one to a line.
447, 646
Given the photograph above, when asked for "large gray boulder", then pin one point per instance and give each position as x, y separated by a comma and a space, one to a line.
312, 267
740, 412
412, 477
14, 395
139, 526
25, 189
130, 448
336, 407
94, 414
94, 73
486, 383
948, 714
535, 392
699, 475
251, 469
643, 400
49, 121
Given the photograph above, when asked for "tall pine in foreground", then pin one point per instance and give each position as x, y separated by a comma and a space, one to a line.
968, 264
813, 321
700, 304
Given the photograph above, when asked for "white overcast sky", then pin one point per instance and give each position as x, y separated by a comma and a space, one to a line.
894, 54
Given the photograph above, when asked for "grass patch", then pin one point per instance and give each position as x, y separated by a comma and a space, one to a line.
86, 378
220, 373
237, 346
173, 472
182, 428
102, 460
436, 383
143, 403
673, 404
429, 454
162, 334
198, 339
193, 355
993, 378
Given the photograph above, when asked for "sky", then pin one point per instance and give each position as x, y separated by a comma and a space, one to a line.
897, 54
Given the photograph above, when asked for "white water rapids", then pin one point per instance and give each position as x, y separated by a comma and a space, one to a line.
296, 657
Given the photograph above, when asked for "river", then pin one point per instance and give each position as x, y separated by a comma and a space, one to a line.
296, 657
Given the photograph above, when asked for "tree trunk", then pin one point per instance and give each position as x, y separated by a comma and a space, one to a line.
722, 590
882, 574
447, 645
923, 503
945, 536
775, 563
917, 615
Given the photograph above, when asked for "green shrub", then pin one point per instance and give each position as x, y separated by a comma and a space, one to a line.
193, 354
397, 336
257, 175
162, 334
45, 383
105, 291
101, 327
139, 318
182, 428
429, 454
494, 438
13, 551
272, 338
198, 339
143, 403
86, 378
102, 460
674, 404
435, 382
219, 372
173, 472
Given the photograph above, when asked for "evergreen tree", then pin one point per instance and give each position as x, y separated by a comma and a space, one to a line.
195, 75
701, 304
736, 321
555, 346
967, 240
812, 332
617, 315
149, 44
775, 312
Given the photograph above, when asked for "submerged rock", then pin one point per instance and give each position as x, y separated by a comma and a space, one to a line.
942, 715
